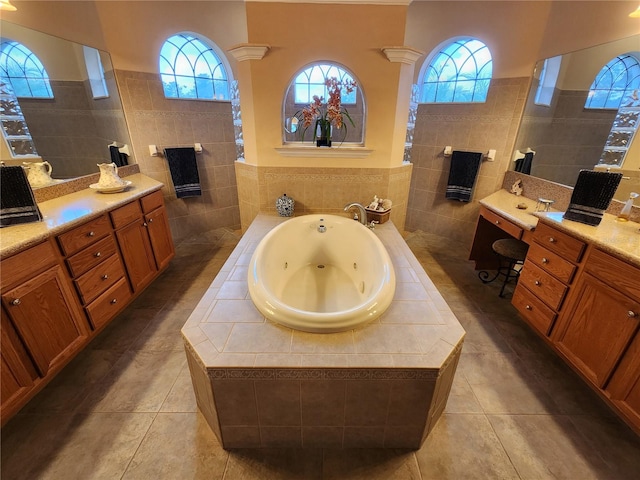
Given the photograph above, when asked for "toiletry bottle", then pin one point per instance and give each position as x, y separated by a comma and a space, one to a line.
625, 213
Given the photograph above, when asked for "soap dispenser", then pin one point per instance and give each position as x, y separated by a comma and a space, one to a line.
625, 213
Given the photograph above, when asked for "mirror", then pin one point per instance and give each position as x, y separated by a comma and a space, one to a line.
564, 135
74, 129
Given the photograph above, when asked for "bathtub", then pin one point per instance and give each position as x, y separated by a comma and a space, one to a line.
321, 273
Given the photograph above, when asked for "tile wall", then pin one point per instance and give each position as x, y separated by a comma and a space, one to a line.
472, 127
320, 190
156, 120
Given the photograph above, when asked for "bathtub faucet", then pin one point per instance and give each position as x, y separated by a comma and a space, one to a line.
361, 215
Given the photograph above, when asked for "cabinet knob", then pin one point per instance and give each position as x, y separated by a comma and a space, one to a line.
105, 276
545, 260
145, 224
537, 282
150, 220
497, 222
16, 301
631, 314
552, 240
114, 301
91, 234
528, 307
97, 254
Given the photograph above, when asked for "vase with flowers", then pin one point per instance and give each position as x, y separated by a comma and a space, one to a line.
328, 117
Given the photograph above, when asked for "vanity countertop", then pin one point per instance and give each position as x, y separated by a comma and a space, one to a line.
62, 213
621, 239
505, 203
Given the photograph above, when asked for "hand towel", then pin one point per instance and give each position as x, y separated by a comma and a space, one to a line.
523, 165
184, 171
17, 203
591, 196
462, 175
117, 157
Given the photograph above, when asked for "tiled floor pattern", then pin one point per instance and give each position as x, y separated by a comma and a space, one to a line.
125, 409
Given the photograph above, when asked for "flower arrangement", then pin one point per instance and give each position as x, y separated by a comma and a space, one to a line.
325, 116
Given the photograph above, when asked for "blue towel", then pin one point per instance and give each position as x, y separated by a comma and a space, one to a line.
462, 175
184, 171
17, 203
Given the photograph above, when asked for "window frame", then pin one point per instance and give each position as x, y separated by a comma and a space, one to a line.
436, 54
607, 68
29, 57
218, 54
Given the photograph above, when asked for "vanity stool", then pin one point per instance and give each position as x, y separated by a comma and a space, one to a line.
511, 252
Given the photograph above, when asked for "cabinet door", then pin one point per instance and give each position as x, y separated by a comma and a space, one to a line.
47, 317
16, 369
624, 387
597, 330
160, 236
137, 254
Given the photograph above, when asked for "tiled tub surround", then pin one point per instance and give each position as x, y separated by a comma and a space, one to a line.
320, 190
259, 384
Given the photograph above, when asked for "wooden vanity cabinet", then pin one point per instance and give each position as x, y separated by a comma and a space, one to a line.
602, 319
16, 368
58, 294
43, 307
547, 276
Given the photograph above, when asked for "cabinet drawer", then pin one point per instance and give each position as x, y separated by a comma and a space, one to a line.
91, 256
533, 309
24, 265
614, 272
99, 278
502, 223
107, 305
551, 262
125, 215
564, 245
78, 238
547, 288
152, 201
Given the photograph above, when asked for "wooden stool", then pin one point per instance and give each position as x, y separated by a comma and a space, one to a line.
511, 252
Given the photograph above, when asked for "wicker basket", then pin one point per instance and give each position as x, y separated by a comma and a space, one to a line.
379, 216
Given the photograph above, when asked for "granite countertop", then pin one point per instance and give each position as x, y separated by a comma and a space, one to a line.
505, 203
621, 239
62, 213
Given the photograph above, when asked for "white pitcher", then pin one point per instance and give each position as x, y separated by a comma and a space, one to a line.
38, 173
109, 176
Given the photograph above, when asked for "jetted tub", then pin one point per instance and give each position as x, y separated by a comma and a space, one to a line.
321, 273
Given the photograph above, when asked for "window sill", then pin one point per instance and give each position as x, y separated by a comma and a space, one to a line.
311, 151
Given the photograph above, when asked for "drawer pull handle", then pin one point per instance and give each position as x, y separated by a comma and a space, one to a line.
16, 301
552, 240
91, 234
497, 222
537, 282
114, 301
545, 260
97, 254
632, 314
528, 307
105, 276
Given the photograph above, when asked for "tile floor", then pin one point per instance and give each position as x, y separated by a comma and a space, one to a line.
124, 407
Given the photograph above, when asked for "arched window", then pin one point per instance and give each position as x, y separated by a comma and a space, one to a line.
340, 100
311, 81
23, 70
459, 72
620, 75
192, 68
